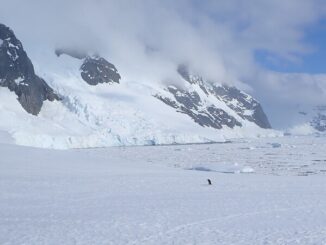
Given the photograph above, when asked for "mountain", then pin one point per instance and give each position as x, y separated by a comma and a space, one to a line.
309, 120
17, 74
318, 121
82, 100
95, 69
213, 105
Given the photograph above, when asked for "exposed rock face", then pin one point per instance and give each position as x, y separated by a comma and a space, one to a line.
97, 70
213, 105
17, 74
191, 104
94, 69
243, 104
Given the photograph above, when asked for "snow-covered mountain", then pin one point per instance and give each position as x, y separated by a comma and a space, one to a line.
82, 101
311, 120
17, 74
318, 121
213, 105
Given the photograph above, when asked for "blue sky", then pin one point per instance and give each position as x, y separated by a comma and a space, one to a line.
313, 63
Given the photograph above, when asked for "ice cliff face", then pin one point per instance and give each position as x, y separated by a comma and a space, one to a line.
213, 105
17, 74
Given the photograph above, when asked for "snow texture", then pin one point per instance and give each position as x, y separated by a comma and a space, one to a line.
146, 195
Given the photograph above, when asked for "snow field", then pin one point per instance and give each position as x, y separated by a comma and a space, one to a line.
146, 195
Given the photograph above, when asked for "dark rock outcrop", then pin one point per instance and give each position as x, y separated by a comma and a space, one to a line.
194, 103
97, 70
94, 69
191, 104
18, 75
243, 104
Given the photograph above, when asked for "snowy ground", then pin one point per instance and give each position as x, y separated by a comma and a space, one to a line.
265, 191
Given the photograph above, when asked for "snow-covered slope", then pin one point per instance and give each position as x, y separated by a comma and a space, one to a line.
93, 112
213, 105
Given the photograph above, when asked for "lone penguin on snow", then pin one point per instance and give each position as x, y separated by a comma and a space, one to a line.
209, 182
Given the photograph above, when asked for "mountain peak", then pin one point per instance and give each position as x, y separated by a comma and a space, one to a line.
18, 75
95, 69
212, 104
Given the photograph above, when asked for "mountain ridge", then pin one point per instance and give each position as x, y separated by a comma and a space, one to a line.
18, 75
96, 107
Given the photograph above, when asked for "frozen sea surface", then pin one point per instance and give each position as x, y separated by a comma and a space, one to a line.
266, 156
265, 191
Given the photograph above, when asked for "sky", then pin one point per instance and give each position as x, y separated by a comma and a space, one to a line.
312, 62
274, 50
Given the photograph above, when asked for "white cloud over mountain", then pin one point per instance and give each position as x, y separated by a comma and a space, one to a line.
147, 39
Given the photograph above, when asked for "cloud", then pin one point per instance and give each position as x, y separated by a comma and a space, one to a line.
147, 39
